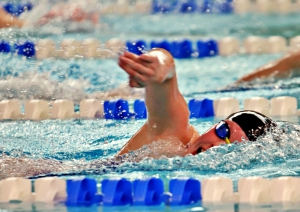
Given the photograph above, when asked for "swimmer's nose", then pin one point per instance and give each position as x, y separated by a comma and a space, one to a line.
204, 142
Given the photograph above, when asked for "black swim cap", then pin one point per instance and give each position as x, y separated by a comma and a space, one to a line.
254, 124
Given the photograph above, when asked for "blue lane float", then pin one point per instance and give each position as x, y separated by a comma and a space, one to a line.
201, 108
225, 6
26, 49
82, 191
27, 6
185, 191
17, 9
188, 6
140, 109
207, 48
148, 192
207, 6
163, 6
117, 109
4, 47
137, 47
12, 8
182, 49
164, 44
116, 192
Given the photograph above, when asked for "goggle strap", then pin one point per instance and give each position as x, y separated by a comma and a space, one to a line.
227, 140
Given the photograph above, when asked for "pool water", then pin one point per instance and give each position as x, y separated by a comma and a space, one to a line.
81, 147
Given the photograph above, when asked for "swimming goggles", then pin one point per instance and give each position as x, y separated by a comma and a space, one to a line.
223, 131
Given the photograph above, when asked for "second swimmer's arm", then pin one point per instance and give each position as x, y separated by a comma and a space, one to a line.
279, 68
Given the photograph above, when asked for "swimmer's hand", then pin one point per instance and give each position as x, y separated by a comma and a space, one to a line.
154, 67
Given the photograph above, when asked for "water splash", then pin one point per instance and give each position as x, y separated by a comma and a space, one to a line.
263, 158
59, 17
275, 147
34, 85
275, 154
24, 166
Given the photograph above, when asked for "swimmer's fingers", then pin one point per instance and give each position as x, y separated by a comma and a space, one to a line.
133, 82
148, 58
142, 58
137, 67
130, 55
144, 68
148, 61
132, 72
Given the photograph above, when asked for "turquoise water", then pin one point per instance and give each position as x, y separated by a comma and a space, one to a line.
86, 147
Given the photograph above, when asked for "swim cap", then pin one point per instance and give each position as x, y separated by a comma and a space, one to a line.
254, 124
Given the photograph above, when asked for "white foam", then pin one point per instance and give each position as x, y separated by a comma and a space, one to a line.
170, 147
33, 85
25, 167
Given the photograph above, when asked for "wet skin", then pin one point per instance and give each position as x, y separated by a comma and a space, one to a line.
168, 114
281, 68
210, 139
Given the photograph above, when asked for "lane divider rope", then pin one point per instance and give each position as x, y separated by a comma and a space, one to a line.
180, 49
149, 191
120, 109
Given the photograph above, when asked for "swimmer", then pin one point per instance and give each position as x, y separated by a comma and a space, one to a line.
168, 122
45, 13
168, 114
71, 12
281, 68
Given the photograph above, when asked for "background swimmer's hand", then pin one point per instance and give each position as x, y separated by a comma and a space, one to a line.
153, 67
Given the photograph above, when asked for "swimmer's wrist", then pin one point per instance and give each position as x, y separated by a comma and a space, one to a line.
170, 75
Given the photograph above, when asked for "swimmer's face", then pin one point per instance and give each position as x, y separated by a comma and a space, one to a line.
210, 139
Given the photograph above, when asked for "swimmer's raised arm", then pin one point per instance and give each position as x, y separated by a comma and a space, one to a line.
280, 68
168, 115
